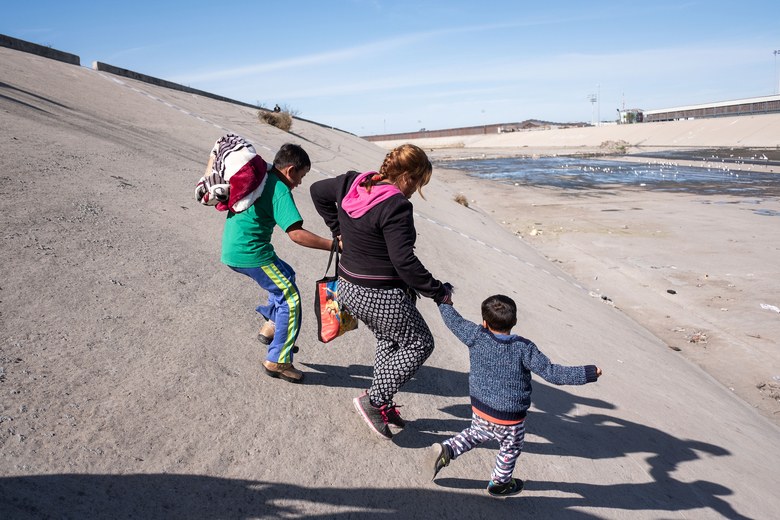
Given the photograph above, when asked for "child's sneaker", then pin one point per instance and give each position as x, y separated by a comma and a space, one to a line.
440, 456
373, 416
510, 488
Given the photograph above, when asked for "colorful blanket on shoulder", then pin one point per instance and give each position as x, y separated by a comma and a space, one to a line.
237, 176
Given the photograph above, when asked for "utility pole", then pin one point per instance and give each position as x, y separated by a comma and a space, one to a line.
593, 98
598, 104
777, 76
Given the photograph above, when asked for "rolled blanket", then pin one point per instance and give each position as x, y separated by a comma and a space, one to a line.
237, 175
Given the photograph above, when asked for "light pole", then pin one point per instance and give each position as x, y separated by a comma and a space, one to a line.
777, 77
598, 105
593, 98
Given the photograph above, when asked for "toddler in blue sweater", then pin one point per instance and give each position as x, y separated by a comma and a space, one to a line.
500, 388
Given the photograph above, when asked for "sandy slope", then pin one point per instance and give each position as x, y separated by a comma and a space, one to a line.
130, 382
756, 131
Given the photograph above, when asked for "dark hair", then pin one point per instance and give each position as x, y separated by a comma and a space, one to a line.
500, 313
292, 154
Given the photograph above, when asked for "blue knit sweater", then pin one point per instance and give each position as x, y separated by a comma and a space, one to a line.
501, 366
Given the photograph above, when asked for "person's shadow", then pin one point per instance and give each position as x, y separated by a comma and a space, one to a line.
427, 380
595, 436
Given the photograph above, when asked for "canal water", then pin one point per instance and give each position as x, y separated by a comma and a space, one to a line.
591, 173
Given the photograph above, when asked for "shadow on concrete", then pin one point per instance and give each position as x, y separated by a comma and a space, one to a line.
13, 100
427, 380
600, 436
166, 496
47, 100
153, 496
556, 418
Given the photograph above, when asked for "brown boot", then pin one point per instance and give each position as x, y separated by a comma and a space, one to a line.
284, 371
266, 334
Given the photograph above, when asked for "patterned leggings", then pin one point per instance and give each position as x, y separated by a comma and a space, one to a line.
403, 339
510, 439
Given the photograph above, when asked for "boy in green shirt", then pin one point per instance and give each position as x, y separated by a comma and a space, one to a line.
247, 249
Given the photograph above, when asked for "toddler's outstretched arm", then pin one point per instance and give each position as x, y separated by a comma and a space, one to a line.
463, 329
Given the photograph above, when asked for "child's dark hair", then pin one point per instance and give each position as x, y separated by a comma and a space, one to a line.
292, 154
500, 313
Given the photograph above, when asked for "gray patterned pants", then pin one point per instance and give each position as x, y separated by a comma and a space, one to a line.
403, 339
510, 440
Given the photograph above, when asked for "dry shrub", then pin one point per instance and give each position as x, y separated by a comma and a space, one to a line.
461, 199
615, 147
697, 337
281, 120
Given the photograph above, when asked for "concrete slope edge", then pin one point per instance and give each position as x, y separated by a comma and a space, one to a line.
119, 71
40, 50
47, 52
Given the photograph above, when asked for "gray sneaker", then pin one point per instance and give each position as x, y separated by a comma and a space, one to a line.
440, 456
373, 416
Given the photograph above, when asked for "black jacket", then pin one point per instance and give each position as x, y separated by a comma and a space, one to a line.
378, 246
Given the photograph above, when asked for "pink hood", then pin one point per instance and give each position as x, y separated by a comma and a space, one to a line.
358, 201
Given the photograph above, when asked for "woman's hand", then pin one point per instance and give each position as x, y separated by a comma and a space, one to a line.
448, 297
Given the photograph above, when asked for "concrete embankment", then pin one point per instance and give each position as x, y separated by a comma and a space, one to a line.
40, 50
131, 375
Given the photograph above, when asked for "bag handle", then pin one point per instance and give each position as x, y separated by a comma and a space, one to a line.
334, 250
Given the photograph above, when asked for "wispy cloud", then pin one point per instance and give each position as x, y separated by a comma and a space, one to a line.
323, 58
131, 51
564, 76
373, 49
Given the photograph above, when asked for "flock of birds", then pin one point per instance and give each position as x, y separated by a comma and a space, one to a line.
669, 168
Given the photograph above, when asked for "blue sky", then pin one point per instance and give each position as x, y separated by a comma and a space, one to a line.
382, 66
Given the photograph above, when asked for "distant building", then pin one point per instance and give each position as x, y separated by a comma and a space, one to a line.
524, 126
737, 107
631, 115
